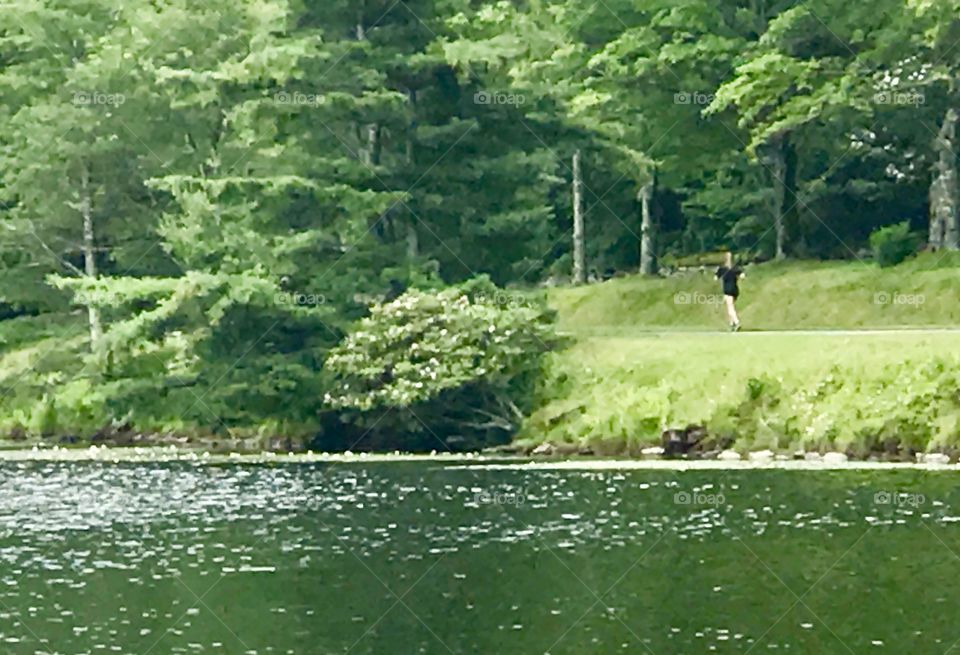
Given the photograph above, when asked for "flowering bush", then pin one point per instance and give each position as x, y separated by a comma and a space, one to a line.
452, 369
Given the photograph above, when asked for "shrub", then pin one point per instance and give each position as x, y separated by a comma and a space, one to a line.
454, 369
893, 244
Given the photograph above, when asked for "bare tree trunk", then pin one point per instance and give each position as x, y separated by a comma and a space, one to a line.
935, 239
944, 229
648, 264
779, 169
89, 255
579, 252
361, 32
369, 150
369, 134
381, 226
413, 239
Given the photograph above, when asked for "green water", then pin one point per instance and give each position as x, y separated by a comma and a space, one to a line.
441, 558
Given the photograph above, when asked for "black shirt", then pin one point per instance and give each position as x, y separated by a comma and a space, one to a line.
729, 277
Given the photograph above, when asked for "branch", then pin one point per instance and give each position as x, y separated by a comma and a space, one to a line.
499, 423
68, 265
496, 421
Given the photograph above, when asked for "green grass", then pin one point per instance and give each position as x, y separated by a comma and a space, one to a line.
924, 292
37, 355
644, 360
32, 346
636, 369
49, 389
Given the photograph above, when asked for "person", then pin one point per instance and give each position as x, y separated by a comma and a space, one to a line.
729, 275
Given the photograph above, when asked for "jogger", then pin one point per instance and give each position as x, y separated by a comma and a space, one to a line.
729, 276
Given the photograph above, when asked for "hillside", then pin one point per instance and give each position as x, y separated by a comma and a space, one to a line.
834, 355
876, 373
796, 295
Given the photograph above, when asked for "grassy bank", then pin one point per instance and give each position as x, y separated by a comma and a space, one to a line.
923, 292
647, 355
634, 372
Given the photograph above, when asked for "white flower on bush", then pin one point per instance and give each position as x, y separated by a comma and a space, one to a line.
415, 347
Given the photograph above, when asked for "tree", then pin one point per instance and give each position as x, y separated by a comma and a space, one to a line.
937, 28
579, 253
72, 197
230, 228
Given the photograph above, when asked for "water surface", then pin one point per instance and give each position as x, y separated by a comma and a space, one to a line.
438, 557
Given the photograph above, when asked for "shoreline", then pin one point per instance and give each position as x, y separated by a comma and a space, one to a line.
116, 455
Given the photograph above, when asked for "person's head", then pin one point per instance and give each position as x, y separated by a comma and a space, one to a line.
728, 259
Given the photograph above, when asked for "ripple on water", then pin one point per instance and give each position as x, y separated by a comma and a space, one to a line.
104, 555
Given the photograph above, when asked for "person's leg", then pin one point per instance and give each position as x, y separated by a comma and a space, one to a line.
732, 310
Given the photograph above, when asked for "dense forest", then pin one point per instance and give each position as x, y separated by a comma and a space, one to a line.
240, 217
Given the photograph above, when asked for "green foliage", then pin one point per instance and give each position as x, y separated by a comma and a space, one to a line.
893, 244
870, 395
904, 408
456, 360
199, 200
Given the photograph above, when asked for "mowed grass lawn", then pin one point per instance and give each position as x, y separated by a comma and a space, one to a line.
923, 292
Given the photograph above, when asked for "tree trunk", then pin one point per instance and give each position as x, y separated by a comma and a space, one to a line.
579, 252
935, 239
89, 255
778, 166
370, 145
369, 134
944, 230
648, 264
413, 239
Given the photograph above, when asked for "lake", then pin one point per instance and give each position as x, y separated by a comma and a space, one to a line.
448, 557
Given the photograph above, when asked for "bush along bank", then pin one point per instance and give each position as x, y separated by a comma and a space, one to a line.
437, 369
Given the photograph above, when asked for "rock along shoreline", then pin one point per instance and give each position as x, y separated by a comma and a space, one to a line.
652, 461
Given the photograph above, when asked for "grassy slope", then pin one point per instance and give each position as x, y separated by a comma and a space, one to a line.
774, 297
633, 372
